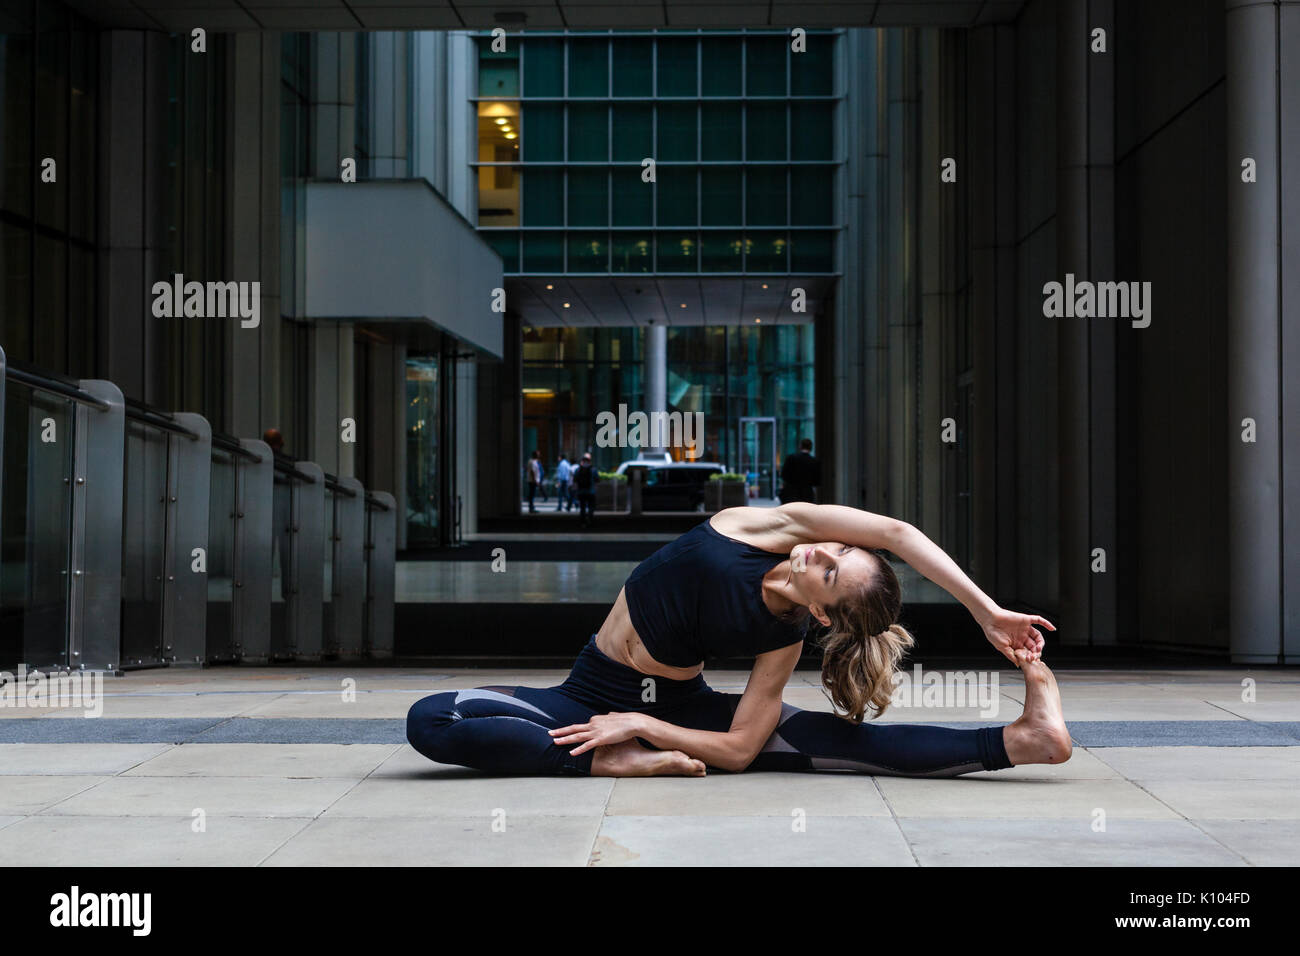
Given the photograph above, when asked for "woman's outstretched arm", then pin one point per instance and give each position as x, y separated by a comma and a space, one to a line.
1007, 631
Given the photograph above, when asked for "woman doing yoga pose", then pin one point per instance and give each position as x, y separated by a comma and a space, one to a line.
757, 583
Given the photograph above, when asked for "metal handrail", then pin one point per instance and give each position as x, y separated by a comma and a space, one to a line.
149, 416
332, 483
232, 445
53, 385
376, 503
285, 466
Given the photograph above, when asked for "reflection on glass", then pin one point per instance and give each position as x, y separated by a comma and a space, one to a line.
498, 142
422, 475
36, 522
222, 508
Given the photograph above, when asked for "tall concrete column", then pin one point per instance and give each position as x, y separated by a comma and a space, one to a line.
255, 374
1263, 124
858, 451
656, 373
1087, 347
132, 196
991, 84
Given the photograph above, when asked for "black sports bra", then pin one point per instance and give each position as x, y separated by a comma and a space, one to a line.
701, 596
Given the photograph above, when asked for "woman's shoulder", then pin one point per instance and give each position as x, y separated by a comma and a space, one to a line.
768, 529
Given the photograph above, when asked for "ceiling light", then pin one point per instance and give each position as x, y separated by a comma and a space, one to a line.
683, 305
511, 135
758, 321
549, 286
566, 305
764, 285
501, 121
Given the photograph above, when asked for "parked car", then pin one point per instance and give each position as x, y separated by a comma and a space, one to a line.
646, 458
673, 486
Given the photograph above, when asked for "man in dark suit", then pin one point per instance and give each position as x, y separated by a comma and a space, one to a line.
800, 474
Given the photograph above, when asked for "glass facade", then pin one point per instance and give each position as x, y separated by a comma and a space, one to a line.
49, 91
570, 375
740, 128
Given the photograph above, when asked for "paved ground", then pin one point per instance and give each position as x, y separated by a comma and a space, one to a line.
274, 767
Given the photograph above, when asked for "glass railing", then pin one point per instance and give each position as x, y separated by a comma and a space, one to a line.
132, 537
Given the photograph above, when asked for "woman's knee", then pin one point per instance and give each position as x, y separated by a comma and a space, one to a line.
426, 719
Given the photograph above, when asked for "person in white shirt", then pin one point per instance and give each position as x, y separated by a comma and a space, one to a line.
563, 472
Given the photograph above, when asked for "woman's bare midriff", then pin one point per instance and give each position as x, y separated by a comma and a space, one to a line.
617, 639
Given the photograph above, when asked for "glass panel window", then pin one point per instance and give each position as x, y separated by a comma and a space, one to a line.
720, 196
720, 252
498, 142
588, 133
676, 132
765, 66
677, 67
811, 191
543, 252
633, 141
543, 197
631, 252
677, 251
811, 72
811, 135
498, 73
631, 198
765, 195
543, 68
720, 131
676, 191
721, 65
506, 245
632, 74
766, 252
765, 132
812, 252
588, 197
543, 132
588, 252
589, 68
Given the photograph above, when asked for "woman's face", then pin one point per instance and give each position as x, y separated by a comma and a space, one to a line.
824, 574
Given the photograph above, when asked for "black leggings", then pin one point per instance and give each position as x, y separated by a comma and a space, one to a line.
504, 729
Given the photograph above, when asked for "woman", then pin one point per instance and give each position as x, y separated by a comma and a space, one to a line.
754, 583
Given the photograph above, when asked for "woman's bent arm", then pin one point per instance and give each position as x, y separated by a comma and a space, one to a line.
867, 530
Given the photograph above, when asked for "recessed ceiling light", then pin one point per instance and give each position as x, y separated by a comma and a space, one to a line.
566, 305
511, 135
500, 121
549, 286
683, 305
764, 285
759, 321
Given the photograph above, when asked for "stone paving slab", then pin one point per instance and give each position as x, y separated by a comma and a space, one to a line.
458, 792
1227, 799
750, 841
755, 794
989, 797
145, 841
26, 795
265, 760
126, 796
1259, 842
965, 841
1200, 763
441, 841
104, 759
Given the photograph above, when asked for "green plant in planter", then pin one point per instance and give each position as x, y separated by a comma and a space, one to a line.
610, 476
726, 476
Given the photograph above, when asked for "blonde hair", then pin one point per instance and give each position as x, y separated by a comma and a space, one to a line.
864, 646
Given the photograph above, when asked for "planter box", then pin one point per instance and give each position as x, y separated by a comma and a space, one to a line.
611, 495
719, 495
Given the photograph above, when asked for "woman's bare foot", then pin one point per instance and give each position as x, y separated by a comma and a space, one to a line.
1040, 735
630, 759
